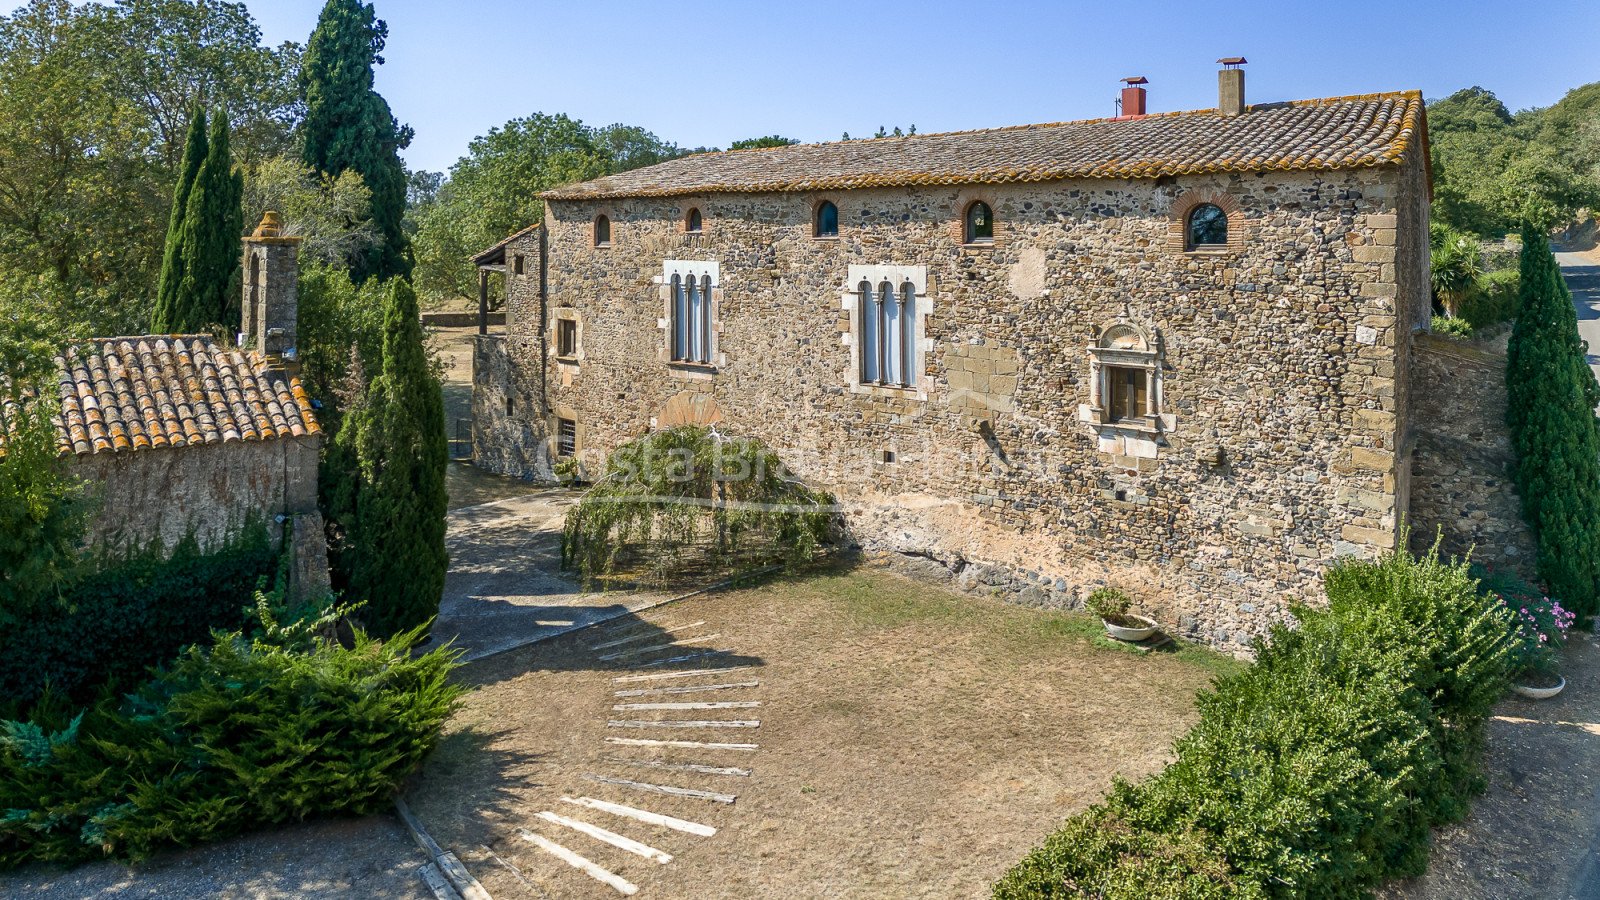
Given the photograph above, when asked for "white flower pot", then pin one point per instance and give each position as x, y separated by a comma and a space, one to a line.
1132, 635
1538, 693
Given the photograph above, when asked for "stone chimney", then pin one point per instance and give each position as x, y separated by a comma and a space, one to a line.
1133, 96
1230, 86
271, 290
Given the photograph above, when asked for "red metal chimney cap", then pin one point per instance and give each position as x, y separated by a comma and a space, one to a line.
1137, 79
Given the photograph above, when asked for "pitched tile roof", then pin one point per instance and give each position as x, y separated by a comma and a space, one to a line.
1337, 133
137, 393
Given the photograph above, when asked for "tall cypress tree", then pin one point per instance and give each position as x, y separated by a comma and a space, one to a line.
165, 317
212, 227
349, 126
394, 548
1552, 395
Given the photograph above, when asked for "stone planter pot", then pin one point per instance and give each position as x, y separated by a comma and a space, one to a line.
1132, 635
1538, 693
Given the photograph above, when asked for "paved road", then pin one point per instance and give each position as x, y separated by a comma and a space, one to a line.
1583, 279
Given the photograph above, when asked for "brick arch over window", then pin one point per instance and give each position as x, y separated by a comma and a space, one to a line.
964, 201
1184, 204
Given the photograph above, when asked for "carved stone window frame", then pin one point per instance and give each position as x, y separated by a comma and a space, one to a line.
1124, 345
922, 345
680, 369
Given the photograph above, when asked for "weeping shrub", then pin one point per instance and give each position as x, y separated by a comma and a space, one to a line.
235, 735
693, 489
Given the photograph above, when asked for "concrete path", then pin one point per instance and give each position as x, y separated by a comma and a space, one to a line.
1582, 273
505, 588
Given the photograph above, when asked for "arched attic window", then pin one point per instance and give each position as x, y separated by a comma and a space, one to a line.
693, 222
602, 231
1207, 227
980, 223
827, 224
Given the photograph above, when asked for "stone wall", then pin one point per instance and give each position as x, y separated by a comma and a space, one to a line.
1275, 363
214, 489
1460, 479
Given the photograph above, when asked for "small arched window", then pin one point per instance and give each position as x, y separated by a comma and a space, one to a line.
827, 219
602, 231
1208, 227
693, 223
980, 224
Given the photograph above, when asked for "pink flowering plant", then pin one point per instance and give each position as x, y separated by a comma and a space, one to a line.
1539, 622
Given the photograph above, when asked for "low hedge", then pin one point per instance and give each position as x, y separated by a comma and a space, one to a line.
234, 735
1317, 772
126, 615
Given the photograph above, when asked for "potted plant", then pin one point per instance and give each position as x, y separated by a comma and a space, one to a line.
1540, 625
1111, 605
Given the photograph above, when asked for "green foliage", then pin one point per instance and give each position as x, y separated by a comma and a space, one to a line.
1108, 603
494, 190
206, 258
769, 141
112, 621
165, 318
1453, 326
336, 315
389, 513
1317, 772
691, 488
93, 120
235, 735
1493, 171
1493, 299
1552, 395
332, 215
348, 126
1455, 264
43, 508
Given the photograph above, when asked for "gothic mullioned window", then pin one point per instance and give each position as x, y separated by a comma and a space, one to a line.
888, 333
691, 319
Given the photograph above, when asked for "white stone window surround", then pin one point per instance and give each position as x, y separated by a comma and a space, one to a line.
921, 344
699, 270
1123, 345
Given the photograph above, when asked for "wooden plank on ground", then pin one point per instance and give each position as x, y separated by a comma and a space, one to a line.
713, 796
679, 767
688, 674
694, 689
467, 885
687, 745
642, 636
685, 723
723, 704
418, 833
609, 837
622, 885
637, 651
676, 659
440, 888
643, 815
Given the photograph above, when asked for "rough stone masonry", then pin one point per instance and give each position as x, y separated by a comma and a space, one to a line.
1273, 438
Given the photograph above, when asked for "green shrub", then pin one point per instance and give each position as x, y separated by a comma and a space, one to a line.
1108, 603
1317, 772
690, 490
1452, 326
232, 736
115, 623
1492, 300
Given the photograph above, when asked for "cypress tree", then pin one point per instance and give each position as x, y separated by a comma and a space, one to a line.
349, 126
1552, 395
209, 238
394, 549
164, 319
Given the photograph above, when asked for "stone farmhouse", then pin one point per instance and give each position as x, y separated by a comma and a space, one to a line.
1171, 352
178, 434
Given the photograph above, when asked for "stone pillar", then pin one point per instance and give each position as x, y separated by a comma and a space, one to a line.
271, 289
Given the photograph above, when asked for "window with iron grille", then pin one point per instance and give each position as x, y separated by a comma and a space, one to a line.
566, 438
566, 338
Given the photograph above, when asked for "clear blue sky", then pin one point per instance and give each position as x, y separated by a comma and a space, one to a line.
712, 72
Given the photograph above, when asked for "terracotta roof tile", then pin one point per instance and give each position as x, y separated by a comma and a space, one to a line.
139, 393
1337, 133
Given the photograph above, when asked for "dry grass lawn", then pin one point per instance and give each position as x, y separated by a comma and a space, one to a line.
913, 744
